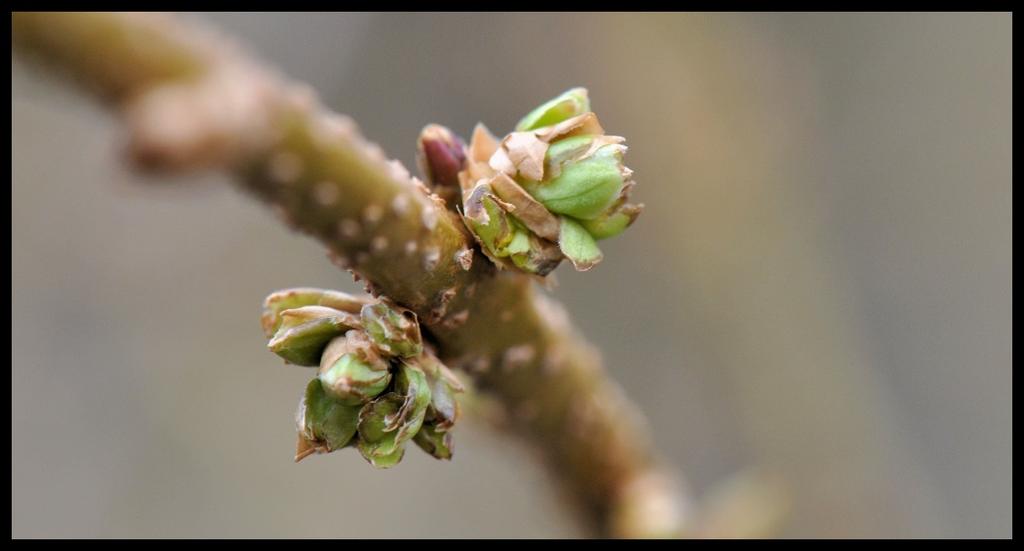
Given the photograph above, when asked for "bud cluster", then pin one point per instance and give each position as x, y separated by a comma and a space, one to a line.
547, 191
377, 386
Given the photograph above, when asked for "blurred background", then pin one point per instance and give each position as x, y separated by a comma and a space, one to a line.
820, 285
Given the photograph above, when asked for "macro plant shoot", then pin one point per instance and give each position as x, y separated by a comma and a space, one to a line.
507, 275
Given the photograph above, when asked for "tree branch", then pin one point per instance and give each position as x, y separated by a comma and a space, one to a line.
193, 100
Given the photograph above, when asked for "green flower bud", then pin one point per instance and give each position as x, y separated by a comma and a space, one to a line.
391, 420
583, 188
358, 398
378, 442
304, 332
324, 424
287, 299
434, 441
394, 330
351, 371
570, 104
557, 165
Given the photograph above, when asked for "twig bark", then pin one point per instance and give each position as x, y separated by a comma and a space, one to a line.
194, 100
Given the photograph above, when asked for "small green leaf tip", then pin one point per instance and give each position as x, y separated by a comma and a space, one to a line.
278, 302
570, 104
377, 386
578, 245
304, 332
558, 165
